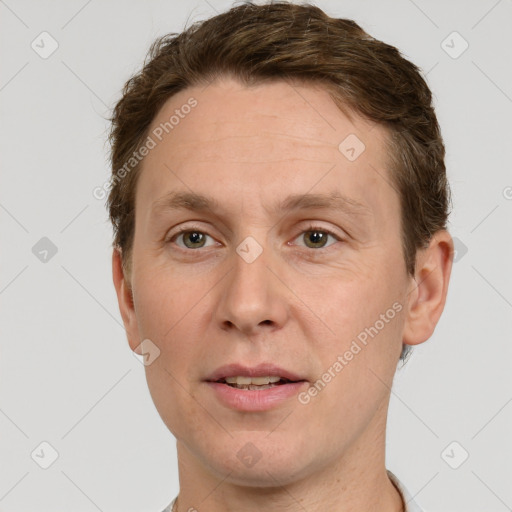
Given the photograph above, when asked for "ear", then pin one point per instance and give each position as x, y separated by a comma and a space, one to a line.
427, 294
125, 300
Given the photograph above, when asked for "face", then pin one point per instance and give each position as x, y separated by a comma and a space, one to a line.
289, 254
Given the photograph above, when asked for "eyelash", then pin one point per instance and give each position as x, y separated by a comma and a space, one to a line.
311, 227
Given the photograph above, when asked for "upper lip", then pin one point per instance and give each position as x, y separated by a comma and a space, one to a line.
260, 370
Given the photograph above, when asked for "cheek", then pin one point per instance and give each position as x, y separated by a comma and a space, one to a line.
359, 361
168, 314
349, 297
163, 299
173, 311
364, 312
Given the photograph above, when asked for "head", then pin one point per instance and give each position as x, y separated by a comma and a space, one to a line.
232, 127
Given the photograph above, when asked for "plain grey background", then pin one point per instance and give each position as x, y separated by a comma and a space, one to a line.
67, 375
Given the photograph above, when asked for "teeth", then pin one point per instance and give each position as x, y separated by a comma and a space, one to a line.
257, 381
252, 386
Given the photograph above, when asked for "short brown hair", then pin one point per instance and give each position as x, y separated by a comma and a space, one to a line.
295, 43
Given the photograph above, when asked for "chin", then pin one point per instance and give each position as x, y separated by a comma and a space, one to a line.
264, 475
259, 463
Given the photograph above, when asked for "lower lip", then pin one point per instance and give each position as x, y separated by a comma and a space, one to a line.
255, 400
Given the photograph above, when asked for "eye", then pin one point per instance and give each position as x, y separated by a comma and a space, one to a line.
191, 238
316, 237
313, 237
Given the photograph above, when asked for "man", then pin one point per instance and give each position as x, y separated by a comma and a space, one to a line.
279, 202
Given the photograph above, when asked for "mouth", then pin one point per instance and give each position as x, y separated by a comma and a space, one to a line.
254, 388
255, 383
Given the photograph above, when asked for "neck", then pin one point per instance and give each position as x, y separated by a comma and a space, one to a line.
357, 481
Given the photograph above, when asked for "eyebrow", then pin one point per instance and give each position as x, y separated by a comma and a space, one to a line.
198, 202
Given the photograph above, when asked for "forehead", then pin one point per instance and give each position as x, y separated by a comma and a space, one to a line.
298, 116
274, 135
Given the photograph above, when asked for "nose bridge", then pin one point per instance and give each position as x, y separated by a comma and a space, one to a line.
251, 297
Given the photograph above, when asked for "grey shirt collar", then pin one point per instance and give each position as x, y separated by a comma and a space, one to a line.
410, 504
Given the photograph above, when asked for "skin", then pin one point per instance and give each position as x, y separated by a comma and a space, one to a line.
297, 305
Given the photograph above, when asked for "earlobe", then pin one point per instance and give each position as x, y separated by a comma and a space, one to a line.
125, 300
427, 296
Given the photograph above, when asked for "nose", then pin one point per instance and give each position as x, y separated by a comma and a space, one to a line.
252, 298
